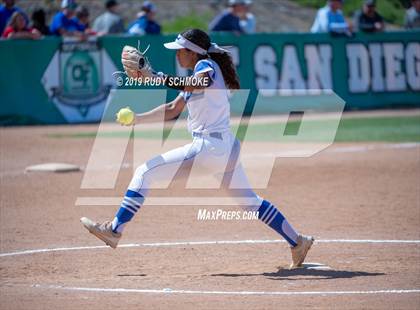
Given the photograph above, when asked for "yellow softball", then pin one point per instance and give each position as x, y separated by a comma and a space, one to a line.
125, 116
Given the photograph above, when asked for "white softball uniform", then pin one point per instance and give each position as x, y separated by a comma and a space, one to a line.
214, 150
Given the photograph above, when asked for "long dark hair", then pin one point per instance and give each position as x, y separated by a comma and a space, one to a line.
224, 60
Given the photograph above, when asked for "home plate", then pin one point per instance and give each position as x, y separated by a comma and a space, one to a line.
315, 266
52, 167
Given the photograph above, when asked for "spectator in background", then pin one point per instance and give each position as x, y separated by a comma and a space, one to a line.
331, 19
109, 22
367, 19
82, 18
145, 23
6, 11
412, 16
230, 18
63, 23
247, 21
17, 28
38, 22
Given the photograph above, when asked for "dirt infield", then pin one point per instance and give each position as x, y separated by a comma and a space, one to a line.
360, 200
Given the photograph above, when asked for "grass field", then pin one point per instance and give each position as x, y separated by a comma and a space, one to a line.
365, 129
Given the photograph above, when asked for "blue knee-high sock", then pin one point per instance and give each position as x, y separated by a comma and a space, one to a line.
269, 214
129, 206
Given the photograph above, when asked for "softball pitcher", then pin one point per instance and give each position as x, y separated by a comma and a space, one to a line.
213, 146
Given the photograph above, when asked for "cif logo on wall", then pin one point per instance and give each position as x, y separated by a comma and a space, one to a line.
80, 75
78, 80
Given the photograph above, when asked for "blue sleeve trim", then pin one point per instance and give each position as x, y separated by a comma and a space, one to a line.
205, 66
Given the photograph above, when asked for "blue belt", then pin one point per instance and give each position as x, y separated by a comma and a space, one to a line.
216, 135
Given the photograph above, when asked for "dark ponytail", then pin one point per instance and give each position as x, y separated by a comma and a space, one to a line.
228, 69
224, 60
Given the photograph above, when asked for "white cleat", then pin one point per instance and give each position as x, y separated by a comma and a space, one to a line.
300, 251
102, 231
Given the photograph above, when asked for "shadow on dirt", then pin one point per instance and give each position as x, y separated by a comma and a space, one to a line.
132, 275
304, 274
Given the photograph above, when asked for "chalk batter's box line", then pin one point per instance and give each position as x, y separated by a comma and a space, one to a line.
197, 243
208, 292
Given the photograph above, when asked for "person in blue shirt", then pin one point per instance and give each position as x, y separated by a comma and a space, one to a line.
6, 11
145, 23
230, 19
82, 18
331, 19
63, 23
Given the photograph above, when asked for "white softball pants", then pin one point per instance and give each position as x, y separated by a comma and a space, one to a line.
210, 156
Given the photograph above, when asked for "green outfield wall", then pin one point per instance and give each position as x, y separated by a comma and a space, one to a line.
52, 82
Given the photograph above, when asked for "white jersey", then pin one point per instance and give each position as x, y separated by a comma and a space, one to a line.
213, 151
209, 108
